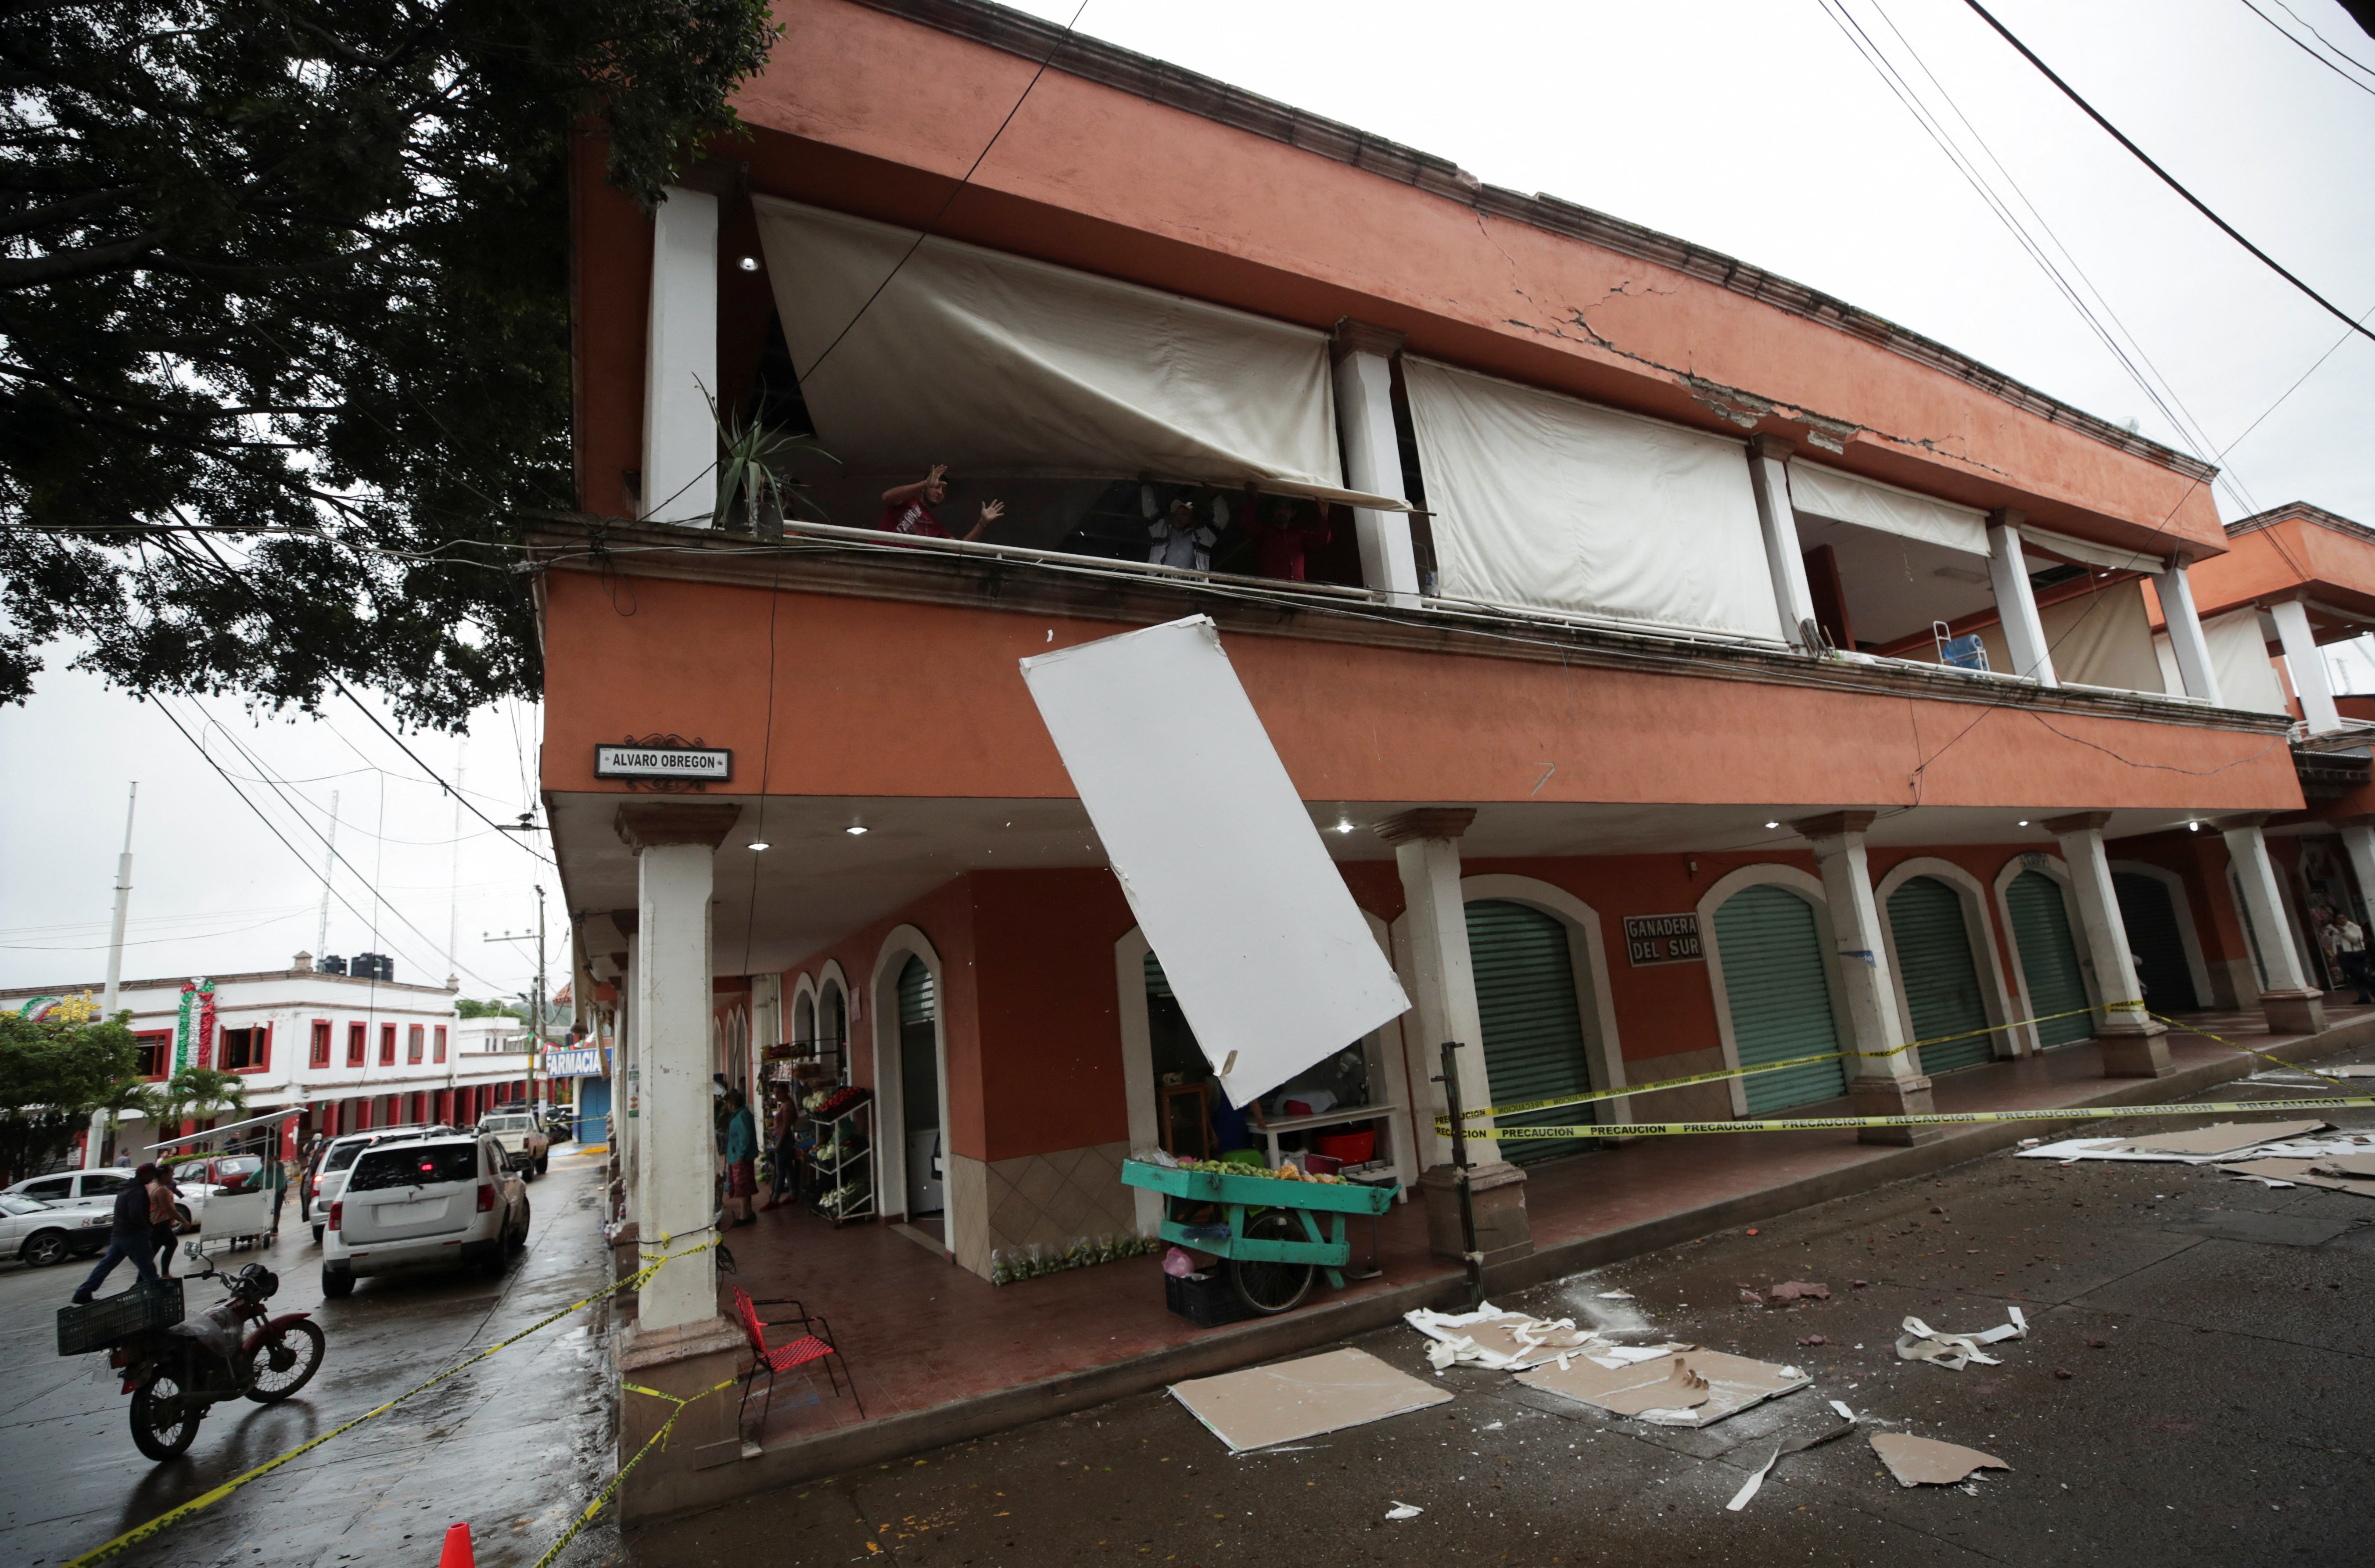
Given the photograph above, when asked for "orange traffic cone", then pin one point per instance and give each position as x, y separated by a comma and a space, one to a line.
457, 1552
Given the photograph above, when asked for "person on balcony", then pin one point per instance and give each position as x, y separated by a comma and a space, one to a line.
907, 509
1175, 537
1284, 536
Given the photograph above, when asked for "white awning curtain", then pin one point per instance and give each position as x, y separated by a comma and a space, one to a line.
2104, 638
2239, 652
2111, 558
1007, 368
1843, 497
1546, 502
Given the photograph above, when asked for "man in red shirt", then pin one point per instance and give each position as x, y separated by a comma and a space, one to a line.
907, 509
1282, 538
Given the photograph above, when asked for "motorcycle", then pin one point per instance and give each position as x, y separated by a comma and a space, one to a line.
176, 1373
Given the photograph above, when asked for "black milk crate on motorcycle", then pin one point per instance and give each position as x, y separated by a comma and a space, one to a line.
98, 1325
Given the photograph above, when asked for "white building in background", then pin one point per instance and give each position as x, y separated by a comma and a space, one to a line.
349, 1051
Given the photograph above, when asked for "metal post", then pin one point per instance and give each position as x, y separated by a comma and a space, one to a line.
535, 1031
93, 1139
1473, 1259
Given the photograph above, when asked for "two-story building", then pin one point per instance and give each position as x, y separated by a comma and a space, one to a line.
1686, 671
349, 1052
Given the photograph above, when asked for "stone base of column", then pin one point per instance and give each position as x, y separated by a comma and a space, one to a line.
683, 1360
2133, 1048
1893, 1097
2294, 1012
1497, 1192
623, 1259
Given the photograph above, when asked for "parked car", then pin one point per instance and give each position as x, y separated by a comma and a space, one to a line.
202, 1176
523, 1138
73, 1189
440, 1202
336, 1158
40, 1234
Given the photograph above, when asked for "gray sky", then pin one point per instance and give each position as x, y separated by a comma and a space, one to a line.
1754, 128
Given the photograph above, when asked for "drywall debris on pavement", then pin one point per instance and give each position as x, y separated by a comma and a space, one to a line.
1732, 1383
1789, 1446
1265, 1405
2198, 1147
1925, 1461
1404, 1511
1615, 1295
2298, 1173
1508, 1342
1748, 1488
1792, 1291
1920, 1342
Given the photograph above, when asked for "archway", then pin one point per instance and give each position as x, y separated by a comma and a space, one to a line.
2057, 988
1943, 960
910, 1057
1767, 934
2166, 947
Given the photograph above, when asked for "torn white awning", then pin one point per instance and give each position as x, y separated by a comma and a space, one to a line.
1260, 941
1547, 501
1846, 498
2111, 558
1003, 367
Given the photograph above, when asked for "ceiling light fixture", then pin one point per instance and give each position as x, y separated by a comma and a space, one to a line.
1342, 826
2194, 827
761, 843
855, 830
750, 263
2020, 824
1772, 824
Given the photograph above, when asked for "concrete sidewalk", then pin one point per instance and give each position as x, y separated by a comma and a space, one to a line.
940, 1355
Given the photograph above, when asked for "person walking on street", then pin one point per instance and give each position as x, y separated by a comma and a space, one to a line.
741, 1152
127, 1236
276, 1181
162, 1192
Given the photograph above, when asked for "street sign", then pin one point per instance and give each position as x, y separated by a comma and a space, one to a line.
586, 1061
690, 763
1662, 938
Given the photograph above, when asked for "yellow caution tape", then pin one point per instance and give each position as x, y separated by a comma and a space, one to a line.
1940, 1118
2253, 1051
1560, 1102
585, 1517
171, 1516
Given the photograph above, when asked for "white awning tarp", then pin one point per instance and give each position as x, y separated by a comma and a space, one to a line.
1268, 956
1546, 502
2104, 638
2239, 652
1844, 498
1007, 368
2111, 558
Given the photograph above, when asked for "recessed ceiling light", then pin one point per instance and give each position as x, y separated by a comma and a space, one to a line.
761, 843
1772, 824
2020, 824
750, 263
1342, 826
2194, 827
854, 830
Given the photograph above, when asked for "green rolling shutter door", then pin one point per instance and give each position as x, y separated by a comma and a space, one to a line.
1941, 984
1533, 1031
2149, 916
1778, 986
920, 1064
2049, 958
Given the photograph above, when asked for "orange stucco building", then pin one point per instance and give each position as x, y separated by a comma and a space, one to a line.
1651, 585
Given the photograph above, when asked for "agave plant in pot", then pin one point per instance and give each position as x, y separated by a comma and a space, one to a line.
756, 486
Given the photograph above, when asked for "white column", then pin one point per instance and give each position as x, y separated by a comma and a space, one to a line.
2016, 600
1768, 480
2307, 666
674, 874
626, 1089
2293, 1005
680, 361
1427, 853
1373, 461
2359, 843
2185, 639
1885, 1081
2119, 1023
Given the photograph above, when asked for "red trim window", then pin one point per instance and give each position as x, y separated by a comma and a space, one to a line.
441, 1043
245, 1049
156, 1048
319, 1056
387, 1044
358, 1041
413, 1037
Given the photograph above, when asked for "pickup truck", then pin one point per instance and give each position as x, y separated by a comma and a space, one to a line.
522, 1138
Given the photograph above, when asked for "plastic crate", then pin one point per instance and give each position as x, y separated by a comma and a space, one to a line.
100, 1323
1207, 1300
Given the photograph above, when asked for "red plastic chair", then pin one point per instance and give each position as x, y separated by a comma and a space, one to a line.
815, 1344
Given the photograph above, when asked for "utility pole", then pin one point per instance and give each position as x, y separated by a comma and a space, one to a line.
454, 884
91, 1144
535, 1004
329, 858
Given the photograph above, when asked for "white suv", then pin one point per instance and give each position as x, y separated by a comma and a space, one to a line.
423, 1203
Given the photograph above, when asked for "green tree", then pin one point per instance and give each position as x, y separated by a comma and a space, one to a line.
129, 1097
284, 348
51, 1076
492, 1008
194, 1094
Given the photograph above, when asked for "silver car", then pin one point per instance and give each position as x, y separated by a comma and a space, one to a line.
41, 1234
73, 1189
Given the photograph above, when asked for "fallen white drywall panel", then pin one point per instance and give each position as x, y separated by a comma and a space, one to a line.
1256, 934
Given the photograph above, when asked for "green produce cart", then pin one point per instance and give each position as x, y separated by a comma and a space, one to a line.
1273, 1237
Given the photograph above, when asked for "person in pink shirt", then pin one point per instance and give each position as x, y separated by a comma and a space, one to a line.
907, 509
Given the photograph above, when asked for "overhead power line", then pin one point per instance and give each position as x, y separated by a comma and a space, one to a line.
2305, 49
2167, 178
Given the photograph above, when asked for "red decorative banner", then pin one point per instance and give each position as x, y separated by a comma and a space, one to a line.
206, 1027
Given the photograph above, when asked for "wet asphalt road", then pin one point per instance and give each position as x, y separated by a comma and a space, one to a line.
515, 1447
2214, 1411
